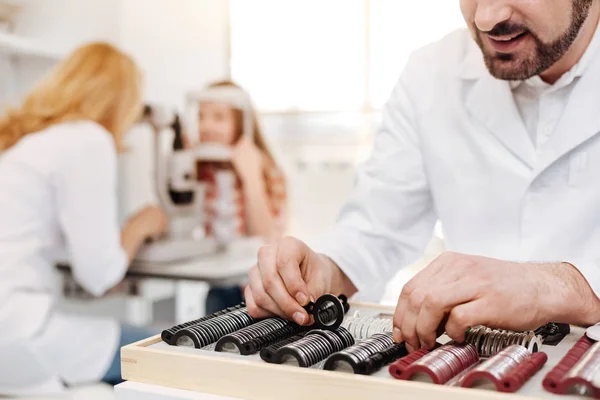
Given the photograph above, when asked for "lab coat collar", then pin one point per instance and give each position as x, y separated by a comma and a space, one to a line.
580, 120
491, 101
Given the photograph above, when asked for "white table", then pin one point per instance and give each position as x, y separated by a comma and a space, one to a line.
217, 269
192, 279
141, 391
187, 281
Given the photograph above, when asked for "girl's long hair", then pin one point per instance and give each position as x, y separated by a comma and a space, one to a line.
274, 178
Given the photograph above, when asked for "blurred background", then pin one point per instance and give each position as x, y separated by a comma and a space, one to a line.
318, 71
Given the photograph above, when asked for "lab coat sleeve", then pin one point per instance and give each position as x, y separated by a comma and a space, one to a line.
389, 219
87, 207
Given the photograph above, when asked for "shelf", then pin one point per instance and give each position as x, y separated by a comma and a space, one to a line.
14, 45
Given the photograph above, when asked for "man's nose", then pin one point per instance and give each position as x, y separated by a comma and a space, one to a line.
492, 12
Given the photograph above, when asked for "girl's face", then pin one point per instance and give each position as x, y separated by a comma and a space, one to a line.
216, 123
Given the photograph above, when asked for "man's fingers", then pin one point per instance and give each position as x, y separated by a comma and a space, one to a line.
291, 254
436, 304
409, 322
465, 316
419, 280
260, 297
253, 308
275, 288
427, 317
398, 317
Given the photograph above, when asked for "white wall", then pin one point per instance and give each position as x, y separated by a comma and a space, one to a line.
65, 24
61, 25
180, 44
7, 81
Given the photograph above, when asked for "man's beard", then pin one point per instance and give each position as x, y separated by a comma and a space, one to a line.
545, 54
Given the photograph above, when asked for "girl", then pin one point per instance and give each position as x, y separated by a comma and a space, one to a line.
58, 190
260, 188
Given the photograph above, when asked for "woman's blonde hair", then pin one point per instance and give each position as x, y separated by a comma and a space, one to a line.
96, 82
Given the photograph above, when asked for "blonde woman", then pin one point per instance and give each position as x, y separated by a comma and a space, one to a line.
58, 190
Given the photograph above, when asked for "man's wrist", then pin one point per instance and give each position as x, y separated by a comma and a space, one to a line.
340, 280
569, 298
590, 309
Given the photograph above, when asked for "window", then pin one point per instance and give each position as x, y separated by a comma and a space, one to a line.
329, 55
397, 28
299, 55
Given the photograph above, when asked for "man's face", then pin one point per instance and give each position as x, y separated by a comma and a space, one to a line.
523, 38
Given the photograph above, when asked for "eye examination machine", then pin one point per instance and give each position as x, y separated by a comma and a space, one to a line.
179, 187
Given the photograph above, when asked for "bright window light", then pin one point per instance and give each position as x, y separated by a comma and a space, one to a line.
330, 55
397, 28
299, 54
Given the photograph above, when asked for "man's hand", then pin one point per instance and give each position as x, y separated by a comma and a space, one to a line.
456, 292
288, 275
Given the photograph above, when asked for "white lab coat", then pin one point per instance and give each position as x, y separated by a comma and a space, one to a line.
57, 190
454, 147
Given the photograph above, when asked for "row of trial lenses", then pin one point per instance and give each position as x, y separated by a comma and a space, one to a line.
167, 334
364, 327
269, 353
504, 362
385, 357
328, 311
497, 341
259, 343
458, 380
553, 381
211, 331
491, 341
316, 346
305, 352
238, 342
339, 339
448, 361
588, 367
348, 360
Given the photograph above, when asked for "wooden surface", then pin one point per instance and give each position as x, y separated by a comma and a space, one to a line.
153, 362
143, 391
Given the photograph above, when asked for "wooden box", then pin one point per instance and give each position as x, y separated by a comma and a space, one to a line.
247, 377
